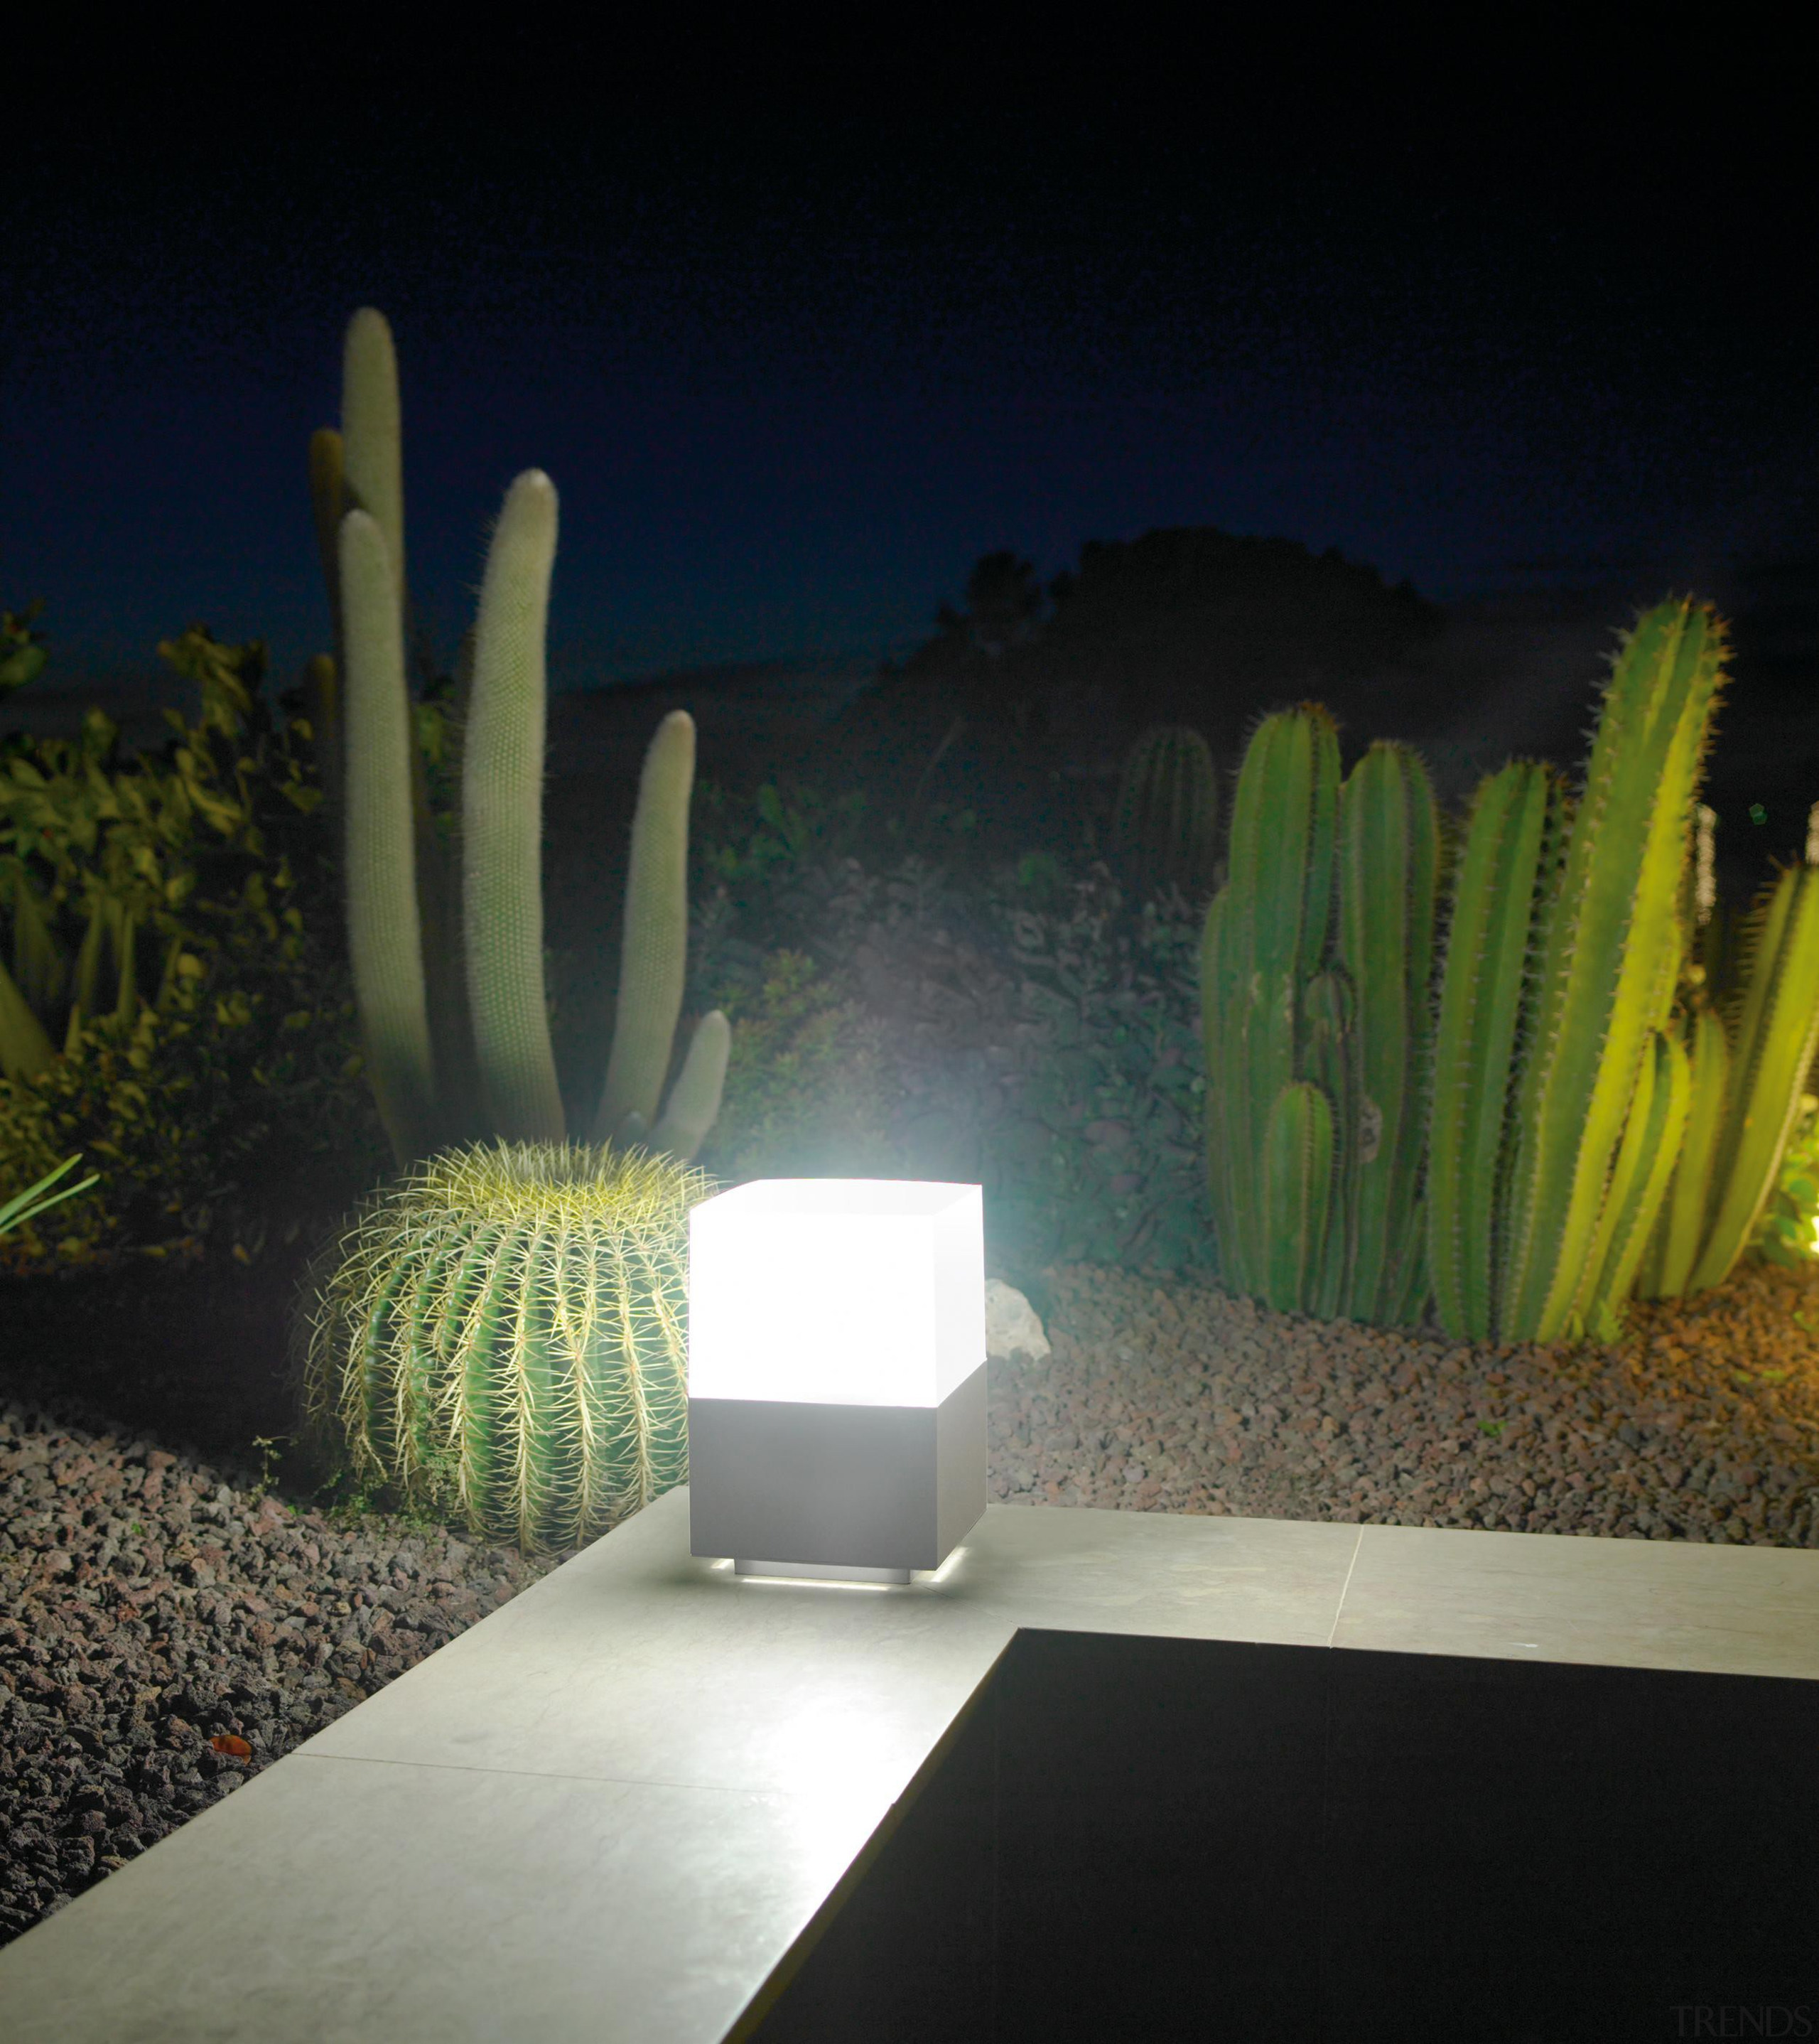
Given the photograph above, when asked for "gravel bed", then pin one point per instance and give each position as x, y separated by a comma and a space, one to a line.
1701, 1424
164, 1634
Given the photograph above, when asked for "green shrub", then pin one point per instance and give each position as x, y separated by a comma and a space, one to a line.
807, 1093
1100, 1160
39, 1198
175, 949
211, 1115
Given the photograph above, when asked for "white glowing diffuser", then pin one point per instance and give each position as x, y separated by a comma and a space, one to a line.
836, 1374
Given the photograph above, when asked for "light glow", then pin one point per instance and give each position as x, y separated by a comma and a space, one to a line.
836, 1291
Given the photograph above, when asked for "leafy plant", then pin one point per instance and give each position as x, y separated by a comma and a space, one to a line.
22, 657
171, 1012
34, 1200
503, 1338
806, 1094
1098, 1159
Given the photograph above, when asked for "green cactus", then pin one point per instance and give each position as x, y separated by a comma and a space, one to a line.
1563, 957
1610, 958
1266, 937
1297, 1188
453, 1006
1652, 1135
1750, 1067
1515, 822
1666, 1267
503, 1338
1315, 963
1165, 820
1389, 837
1776, 1034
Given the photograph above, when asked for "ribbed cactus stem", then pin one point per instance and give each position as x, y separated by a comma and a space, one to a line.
694, 1102
501, 785
1389, 857
1776, 1038
1668, 1267
1610, 957
1272, 937
372, 442
1165, 818
1297, 1182
653, 957
1639, 1178
384, 931
1489, 931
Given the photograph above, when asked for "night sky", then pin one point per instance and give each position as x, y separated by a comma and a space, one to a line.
797, 345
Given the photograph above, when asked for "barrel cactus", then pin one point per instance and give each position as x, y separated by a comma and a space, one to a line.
1315, 963
503, 1340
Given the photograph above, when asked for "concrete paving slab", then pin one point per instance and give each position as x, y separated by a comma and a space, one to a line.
337, 1899
611, 1809
1622, 1604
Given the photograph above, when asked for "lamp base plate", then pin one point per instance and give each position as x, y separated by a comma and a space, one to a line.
821, 1572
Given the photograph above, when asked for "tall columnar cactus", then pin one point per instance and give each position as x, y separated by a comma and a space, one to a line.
1652, 1134
1511, 838
1565, 943
453, 1005
503, 1338
1267, 935
1165, 822
1389, 837
1315, 969
1749, 1066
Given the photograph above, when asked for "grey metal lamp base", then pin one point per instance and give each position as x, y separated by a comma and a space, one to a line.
839, 1489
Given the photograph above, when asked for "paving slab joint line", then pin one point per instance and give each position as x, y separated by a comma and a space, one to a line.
1339, 1609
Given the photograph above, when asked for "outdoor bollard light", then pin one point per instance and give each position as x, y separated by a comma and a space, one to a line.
836, 1376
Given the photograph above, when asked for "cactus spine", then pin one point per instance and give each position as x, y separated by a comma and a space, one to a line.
454, 1012
1165, 822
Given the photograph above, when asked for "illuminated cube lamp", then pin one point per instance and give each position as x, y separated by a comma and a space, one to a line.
836, 1376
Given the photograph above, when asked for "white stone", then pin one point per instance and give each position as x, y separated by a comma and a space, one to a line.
1011, 1327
